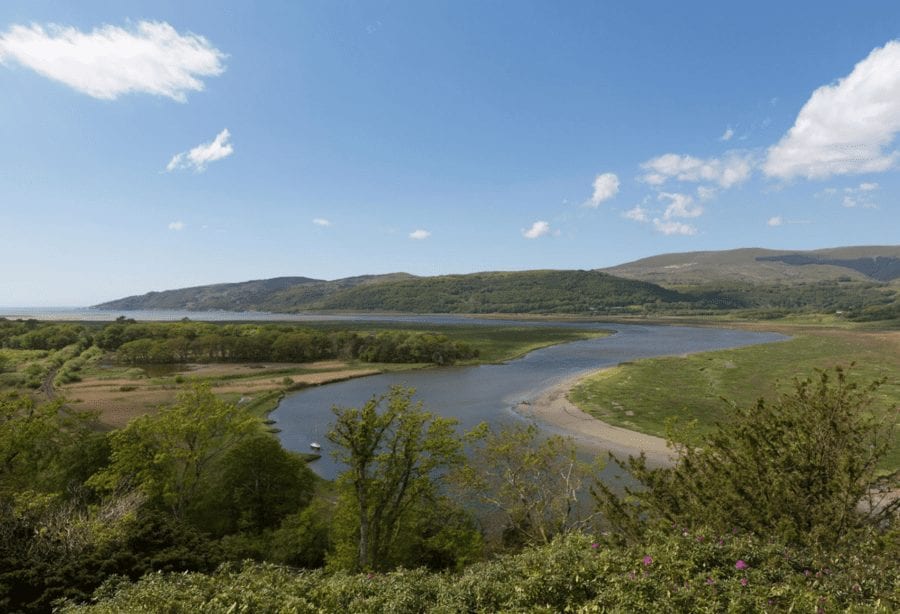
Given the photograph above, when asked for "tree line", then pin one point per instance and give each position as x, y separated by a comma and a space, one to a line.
181, 342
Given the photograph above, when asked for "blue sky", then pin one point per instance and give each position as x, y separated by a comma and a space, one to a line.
154, 145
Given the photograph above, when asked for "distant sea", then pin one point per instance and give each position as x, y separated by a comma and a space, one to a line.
88, 314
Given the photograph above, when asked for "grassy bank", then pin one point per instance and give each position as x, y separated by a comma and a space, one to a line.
644, 395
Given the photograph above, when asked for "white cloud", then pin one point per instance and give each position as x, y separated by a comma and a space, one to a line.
706, 193
538, 229
605, 187
419, 234
868, 186
673, 228
775, 221
637, 213
109, 61
321, 221
176, 226
201, 155
845, 127
680, 205
726, 136
732, 169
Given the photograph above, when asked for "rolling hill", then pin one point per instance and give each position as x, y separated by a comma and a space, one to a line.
860, 282
765, 266
493, 292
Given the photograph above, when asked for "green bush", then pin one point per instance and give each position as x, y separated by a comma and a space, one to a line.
673, 571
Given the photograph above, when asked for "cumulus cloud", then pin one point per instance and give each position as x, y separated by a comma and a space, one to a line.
680, 205
107, 62
673, 228
538, 229
606, 186
176, 226
637, 214
321, 221
730, 170
419, 234
201, 155
775, 221
868, 186
845, 127
726, 136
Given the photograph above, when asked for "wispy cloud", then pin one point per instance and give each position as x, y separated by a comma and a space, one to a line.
201, 155
730, 170
538, 229
853, 197
177, 226
726, 136
606, 185
637, 214
775, 221
321, 221
845, 127
680, 205
669, 227
419, 234
109, 61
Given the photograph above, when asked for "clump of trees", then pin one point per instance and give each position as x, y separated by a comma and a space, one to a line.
198, 342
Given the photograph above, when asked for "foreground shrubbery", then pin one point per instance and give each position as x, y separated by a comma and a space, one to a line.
672, 571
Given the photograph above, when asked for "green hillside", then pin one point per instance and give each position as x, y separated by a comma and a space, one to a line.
514, 292
754, 265
503, 292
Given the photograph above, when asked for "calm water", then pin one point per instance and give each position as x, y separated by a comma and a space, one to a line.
489, 392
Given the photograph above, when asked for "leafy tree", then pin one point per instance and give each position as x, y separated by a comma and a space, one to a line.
802, 467
37, 441
394, 451
169, 455
259, 484
533, 484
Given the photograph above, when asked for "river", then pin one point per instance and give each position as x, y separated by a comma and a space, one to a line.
489, 393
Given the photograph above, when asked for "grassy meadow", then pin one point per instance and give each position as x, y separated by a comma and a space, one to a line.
645, 395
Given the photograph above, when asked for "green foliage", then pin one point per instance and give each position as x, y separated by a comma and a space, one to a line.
797, 468
389, 504
169, 455
38, 442
534, 483
258, 484
669, 572
179, 342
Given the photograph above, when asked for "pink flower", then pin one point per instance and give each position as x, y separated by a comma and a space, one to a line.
710, 581
741, 564
648, 560
743, 581
595, 545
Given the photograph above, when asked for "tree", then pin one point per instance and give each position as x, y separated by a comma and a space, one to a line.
259, 484
534, 484
169, 454
37, 441
395, 453
803, 467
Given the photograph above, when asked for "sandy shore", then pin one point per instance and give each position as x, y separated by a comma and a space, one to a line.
553, 408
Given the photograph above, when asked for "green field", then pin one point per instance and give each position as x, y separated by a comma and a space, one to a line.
646, 394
